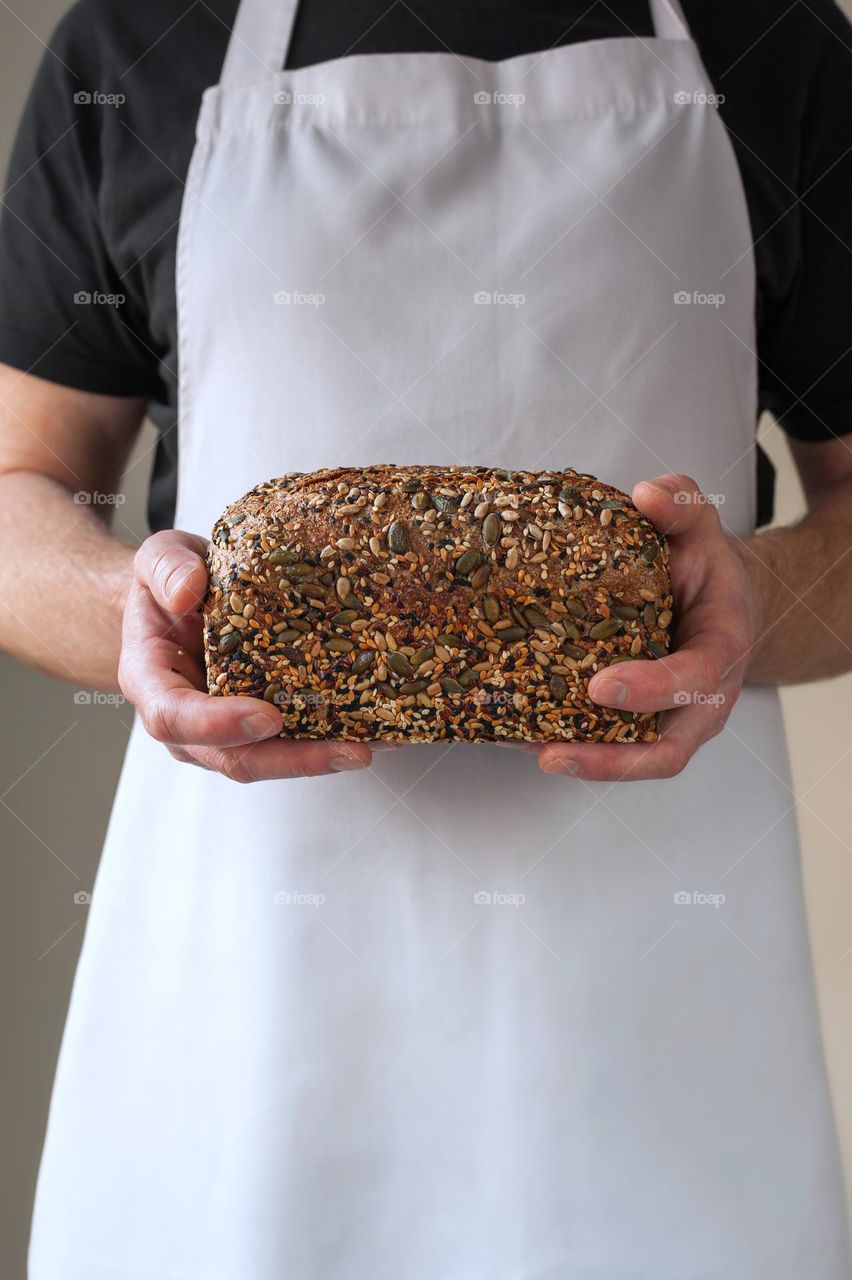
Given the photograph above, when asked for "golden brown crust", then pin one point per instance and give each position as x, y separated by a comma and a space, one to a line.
435, 603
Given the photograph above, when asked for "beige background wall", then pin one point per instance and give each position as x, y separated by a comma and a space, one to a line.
59, 763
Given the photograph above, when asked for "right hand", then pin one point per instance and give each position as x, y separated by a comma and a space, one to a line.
161, 672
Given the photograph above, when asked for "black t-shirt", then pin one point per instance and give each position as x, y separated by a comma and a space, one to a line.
96, 182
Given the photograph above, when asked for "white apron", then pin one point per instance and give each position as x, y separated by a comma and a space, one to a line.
452, 1019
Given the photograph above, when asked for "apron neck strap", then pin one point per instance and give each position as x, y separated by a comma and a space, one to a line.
263, 29
669, 20
259, 41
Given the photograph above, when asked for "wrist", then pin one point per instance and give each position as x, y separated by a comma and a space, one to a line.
761, 558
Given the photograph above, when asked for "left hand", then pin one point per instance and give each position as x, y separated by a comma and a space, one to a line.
716, 623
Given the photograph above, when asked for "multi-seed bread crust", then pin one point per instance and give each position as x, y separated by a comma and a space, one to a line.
433, 603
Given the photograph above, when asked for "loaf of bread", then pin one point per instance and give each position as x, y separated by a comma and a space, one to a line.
427, 604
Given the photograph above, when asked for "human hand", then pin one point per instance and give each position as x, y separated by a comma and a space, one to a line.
715, 614
162, 673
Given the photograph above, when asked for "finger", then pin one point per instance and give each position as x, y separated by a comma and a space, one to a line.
690, 674
172, 566
676, 506
154, 676
268, 761
685, 731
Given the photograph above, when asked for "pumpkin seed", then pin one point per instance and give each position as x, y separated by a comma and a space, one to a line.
605, 629
450, 640
491, 608
364, 662
558, 688
572, 651
511, 634
574, 607
536, 618
444, 504
649, 616
467, 678
227, 644
628, 612
399, 664
288, 636
412, 687
570, 496
467, 562
422, 655
480, 577
338, 645
398, 538
649, 552
657, 650
611, 504
449, 685
343, 619
492, 528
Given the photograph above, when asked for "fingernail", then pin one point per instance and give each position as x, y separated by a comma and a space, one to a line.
259, 726
341, 764
558, 765
610, 693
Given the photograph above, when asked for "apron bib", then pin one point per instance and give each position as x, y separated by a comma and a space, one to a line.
451, 1019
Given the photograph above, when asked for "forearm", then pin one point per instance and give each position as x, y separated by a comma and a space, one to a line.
63, 581
802, 582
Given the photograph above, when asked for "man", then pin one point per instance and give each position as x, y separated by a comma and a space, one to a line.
399, 1083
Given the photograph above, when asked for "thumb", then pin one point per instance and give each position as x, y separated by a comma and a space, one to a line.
676, 506
171, 565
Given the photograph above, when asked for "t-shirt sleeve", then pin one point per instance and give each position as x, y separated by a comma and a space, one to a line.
806, 346
66, 314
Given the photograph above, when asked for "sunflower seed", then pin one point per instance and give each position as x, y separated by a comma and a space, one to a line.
656, 650
343, 587
228, 643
